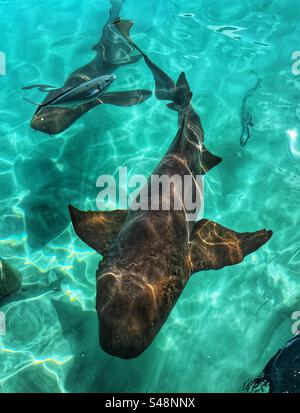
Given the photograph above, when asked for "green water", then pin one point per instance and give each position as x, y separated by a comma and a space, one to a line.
228, 323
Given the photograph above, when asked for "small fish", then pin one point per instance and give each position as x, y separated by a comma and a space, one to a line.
246, 124
246, 116
73, 96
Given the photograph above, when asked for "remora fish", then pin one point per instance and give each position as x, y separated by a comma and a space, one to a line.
112, 52
75, 96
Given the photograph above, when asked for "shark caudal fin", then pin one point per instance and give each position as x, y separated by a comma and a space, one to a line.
124, 27
114, 49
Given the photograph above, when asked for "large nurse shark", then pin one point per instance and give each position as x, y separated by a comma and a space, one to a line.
150, 254
112, 52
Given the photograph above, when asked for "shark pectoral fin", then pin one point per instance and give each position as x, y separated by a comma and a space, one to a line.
214, 246
127, 98
97, 229
208, 160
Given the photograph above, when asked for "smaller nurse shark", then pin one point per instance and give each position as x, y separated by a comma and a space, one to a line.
112, 53
282, 372
13, 290
10, 280
150, 254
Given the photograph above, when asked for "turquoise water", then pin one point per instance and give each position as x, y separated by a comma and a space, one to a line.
228, 323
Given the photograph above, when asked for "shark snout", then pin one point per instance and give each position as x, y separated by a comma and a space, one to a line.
121, 342
49, 121
126, 313
52, 120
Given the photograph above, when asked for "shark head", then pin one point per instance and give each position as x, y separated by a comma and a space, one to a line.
54, 120
127, 315
50, 120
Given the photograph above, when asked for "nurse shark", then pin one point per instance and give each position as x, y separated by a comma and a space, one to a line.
112, 52
13, 289
282, 373
10, 280
149, 255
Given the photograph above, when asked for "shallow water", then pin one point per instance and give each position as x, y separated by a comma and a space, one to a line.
228, 323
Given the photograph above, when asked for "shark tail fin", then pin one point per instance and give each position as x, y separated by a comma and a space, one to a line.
125, 27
